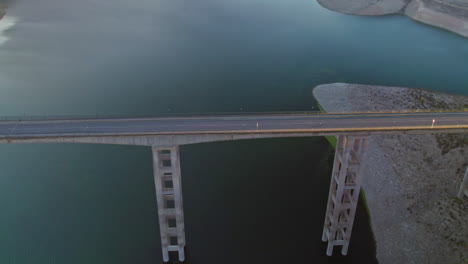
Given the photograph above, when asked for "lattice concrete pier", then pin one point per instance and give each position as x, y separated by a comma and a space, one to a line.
344, 191
464, 186
166, 165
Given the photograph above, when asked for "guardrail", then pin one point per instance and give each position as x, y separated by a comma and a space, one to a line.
206, 114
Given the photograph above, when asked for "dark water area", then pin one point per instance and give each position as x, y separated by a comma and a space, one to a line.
254, 201
265, 206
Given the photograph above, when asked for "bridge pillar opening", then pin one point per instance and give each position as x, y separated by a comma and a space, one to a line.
167, 180
345, 186
464, 186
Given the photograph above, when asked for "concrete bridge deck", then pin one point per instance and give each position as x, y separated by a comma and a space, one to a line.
195, 129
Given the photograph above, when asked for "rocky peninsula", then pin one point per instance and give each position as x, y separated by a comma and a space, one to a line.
451, 15
3, 7
411, 181
2, 11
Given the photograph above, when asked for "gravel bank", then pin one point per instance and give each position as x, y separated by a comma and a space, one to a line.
451, 15
411, 181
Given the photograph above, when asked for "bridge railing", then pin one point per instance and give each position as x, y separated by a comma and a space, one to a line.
207, 114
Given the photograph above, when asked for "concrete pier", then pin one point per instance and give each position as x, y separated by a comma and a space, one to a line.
167, 180
464, 186
344, 191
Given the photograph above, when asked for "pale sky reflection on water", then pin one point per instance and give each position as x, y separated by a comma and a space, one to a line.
6, 23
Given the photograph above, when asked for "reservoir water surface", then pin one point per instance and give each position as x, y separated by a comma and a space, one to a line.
245, 202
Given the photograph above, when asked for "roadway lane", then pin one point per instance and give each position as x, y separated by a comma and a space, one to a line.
237, 124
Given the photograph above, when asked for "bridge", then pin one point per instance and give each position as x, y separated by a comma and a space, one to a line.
166, 134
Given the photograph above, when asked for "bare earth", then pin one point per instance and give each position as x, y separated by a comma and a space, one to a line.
411, 181
451, 15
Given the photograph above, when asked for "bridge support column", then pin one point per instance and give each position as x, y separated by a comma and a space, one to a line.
464, 186
344, 191
166, 166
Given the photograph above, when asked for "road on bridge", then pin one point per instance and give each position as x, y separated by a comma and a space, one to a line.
217, 124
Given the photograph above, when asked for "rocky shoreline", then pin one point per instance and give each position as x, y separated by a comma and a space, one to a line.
3, 8
451, 15
2, 11
411, 181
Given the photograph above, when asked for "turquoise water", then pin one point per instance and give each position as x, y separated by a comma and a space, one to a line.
66, 57
96, 204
